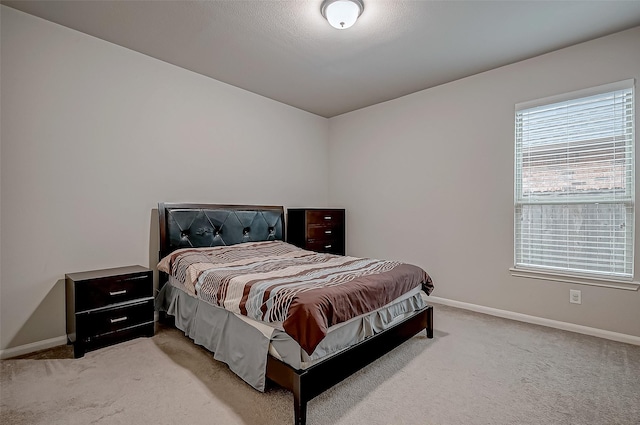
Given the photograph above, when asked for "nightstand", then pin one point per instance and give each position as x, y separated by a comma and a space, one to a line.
316, 229
105, 307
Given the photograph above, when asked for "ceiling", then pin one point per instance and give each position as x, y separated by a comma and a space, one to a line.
286, 51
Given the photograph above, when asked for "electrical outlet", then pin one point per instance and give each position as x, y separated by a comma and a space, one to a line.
575, 296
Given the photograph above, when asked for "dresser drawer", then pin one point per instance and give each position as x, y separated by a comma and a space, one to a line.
97, 293
328, 218
322, 233
331, 246
100, 322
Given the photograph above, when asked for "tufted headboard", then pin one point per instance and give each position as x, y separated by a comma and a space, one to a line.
203, 225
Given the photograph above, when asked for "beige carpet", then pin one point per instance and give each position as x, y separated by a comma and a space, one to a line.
478, 370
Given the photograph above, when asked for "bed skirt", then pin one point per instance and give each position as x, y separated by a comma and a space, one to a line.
244, 344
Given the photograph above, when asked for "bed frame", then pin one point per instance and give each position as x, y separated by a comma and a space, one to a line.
201, 225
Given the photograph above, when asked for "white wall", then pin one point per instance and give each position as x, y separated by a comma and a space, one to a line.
95, 135
428, 178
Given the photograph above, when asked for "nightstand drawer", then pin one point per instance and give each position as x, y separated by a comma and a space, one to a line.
98, 293
100, 322
100, 341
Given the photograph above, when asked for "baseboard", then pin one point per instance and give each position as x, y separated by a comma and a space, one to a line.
33, 347
586, 330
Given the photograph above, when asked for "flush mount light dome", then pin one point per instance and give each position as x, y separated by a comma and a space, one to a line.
341, 14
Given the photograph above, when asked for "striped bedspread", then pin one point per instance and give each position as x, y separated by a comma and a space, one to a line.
279, 283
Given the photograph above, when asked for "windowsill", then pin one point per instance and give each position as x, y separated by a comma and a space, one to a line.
579, 280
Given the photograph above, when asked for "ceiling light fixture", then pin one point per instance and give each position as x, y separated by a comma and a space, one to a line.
342, 14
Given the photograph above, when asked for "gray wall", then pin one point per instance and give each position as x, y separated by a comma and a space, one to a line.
95, 135
428, 178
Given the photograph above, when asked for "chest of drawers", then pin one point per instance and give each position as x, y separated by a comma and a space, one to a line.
320, 230
105, 307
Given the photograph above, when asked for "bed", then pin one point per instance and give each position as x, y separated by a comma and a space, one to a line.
260, 341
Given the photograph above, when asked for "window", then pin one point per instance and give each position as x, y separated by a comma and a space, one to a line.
574, 183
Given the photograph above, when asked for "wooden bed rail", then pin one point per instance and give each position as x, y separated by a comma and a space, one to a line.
311, 382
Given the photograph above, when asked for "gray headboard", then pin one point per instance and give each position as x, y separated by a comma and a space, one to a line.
204, 225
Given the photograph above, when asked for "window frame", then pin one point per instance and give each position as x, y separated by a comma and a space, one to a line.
568, 275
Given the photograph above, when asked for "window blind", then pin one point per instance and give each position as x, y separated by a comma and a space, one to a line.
574, 182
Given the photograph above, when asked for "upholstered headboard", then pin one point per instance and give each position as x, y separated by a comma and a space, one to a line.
204, 225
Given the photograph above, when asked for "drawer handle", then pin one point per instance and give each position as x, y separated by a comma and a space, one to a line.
328, 232
327, 246
327, 217
113, 294
119, 319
